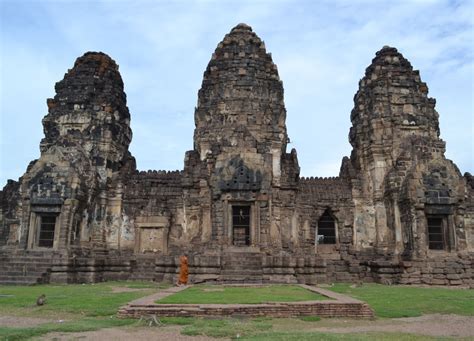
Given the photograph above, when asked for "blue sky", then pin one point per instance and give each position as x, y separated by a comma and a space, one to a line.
321, 49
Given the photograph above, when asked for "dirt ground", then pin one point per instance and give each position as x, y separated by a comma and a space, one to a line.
431, 325
167, 333
22, 322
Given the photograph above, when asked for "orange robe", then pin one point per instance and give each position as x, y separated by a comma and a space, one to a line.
183, 270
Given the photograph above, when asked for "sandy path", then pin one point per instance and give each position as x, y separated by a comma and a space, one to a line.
22, 322
168, 333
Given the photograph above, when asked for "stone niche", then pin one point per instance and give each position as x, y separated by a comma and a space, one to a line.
152, 234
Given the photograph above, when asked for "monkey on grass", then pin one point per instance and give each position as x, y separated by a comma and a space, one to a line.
41, 300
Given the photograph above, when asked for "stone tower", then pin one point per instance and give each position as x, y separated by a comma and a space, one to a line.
71, 186
240, 105
240, 139
90, 111
402, 174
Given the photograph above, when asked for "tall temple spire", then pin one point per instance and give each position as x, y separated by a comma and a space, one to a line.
392, 102
241, 98
90, 111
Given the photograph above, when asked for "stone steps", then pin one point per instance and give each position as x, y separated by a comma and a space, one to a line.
143, 269
241, 268
25, 268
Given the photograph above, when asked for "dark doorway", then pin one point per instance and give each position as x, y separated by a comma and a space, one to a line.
46, 232
241, 225
326, 229
435, 233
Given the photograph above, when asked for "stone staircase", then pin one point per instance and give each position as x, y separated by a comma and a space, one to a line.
241, 266
25, 267
143, 268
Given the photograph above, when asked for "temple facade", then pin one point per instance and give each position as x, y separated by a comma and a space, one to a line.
399, 211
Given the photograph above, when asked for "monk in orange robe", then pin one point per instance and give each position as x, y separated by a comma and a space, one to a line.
183, 270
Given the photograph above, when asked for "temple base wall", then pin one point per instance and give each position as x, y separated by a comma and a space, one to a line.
91, 268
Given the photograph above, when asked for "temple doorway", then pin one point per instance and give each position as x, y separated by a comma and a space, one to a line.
241, 225
46, 230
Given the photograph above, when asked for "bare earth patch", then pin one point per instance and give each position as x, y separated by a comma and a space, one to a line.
117, 290
170, 333
22, 322
429, 325
436, 325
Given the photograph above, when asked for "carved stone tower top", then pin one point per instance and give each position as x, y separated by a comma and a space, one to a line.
240, 103
392, 106
89, 113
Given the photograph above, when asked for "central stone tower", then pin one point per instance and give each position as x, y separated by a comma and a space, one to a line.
240, 105
240, 142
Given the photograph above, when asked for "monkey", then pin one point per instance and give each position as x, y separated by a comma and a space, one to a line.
41, 300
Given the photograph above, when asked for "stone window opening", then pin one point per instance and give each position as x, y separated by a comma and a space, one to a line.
241, 225
46, 230
326, 232
437, 238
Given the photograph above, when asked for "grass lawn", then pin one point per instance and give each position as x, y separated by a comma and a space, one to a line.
94, 306
81, 307
201, 294
405, 301
83, 299
78, 325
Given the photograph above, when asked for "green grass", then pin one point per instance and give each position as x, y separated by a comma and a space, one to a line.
81, 307
76, 299
81, 325
178, 321
404, 301
202, 294
92, 307
310, 318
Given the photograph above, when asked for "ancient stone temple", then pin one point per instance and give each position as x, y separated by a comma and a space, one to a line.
398, 212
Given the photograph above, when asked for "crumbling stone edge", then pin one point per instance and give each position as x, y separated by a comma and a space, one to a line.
337, 305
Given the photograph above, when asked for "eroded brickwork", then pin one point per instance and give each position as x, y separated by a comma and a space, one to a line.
399, 211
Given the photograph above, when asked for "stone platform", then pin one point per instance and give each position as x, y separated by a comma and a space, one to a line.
336, 305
